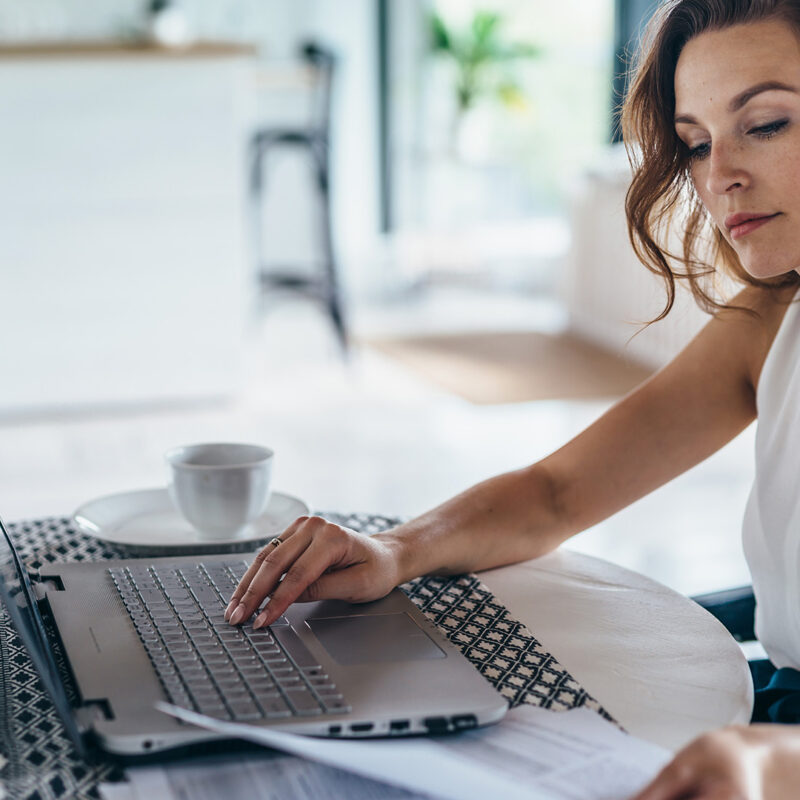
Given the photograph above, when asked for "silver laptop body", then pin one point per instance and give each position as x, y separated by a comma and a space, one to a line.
326, 669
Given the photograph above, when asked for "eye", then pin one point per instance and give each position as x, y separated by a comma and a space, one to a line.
770, 129
700, 151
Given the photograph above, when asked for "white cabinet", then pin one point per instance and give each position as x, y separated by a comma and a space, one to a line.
608, 293
123, 269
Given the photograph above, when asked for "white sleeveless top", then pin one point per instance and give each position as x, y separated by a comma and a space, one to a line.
771, 526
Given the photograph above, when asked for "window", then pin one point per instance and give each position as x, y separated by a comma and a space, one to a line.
533, 124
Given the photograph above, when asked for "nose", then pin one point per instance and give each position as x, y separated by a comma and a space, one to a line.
726, 173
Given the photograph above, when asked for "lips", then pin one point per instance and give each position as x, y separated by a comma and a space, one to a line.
744, 222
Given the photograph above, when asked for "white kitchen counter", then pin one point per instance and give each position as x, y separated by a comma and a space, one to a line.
124, 274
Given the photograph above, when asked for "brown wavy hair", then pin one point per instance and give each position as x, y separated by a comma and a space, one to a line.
661, 192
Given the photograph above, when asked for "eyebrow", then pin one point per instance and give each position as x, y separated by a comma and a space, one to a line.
745, 97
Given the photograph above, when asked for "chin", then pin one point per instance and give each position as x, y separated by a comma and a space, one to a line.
772, 266
764, 273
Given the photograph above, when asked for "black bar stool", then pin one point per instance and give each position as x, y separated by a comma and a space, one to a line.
314, 140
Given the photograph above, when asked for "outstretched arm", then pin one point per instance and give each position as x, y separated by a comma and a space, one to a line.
680, 416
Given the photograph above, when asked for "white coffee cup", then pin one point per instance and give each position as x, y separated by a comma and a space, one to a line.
220, 488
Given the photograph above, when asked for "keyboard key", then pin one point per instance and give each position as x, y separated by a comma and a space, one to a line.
181, 700
284, 668
244, 658
216, 710
268, 697
213, 654
205, 694
182, 607
323, 686
189, 658
275, 660
172, 627
152, 596
230, 683
243, 710
275, 707
335, 705
313, 672
191, 673
171, 634
254, 672
263, 686
238, 645
303, 702
266, 646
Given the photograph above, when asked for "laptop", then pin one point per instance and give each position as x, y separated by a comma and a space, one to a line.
110, 639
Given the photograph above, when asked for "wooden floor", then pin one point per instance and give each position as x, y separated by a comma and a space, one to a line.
515, 366
370, 435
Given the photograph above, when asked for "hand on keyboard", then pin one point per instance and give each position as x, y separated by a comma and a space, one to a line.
204, 664
318, 560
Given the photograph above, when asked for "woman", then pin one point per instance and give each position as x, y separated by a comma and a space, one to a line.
713, 125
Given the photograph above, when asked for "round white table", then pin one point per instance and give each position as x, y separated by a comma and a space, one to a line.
665, 668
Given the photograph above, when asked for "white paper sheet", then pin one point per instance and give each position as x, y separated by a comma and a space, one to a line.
121, 791
531, 754
251, 777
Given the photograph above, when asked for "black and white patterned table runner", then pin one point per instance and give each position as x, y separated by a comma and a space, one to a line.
43, 765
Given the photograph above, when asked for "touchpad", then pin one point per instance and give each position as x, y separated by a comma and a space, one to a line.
374, 638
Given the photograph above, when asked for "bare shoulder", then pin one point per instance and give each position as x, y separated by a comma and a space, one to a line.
750, 324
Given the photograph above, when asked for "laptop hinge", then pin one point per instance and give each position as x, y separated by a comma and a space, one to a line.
91, 712
43, 584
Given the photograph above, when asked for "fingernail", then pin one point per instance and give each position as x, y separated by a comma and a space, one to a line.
238, 615
261, 620
229, 609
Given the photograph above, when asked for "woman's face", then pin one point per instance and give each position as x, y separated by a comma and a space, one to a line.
737, 108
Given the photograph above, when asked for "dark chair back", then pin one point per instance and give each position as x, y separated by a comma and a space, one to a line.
734, 608
323, 61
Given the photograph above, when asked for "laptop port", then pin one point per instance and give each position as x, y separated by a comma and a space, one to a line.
399, 725
436, 724
464, 722
334, 730
361, 727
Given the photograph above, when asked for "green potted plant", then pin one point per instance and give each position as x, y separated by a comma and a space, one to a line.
483, 61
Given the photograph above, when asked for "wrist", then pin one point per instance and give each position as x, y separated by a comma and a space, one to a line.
402, 554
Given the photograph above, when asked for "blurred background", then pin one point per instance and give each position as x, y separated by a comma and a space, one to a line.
384, 237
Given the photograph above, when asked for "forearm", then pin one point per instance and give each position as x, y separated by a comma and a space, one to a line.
511, 517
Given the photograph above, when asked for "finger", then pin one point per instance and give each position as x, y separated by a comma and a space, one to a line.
255, 566
274, 563
251, 572
315, 560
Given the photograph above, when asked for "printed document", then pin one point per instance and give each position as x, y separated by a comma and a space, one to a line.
532, 754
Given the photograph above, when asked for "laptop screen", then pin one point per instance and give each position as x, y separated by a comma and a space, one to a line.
19, 598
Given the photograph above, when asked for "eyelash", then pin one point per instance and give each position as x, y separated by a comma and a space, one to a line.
762, 132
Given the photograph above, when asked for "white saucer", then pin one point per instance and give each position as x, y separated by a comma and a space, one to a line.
145, 521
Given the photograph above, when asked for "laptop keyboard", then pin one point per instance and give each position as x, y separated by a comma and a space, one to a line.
226, 672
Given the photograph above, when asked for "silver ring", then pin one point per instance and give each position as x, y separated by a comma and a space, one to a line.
275, 541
